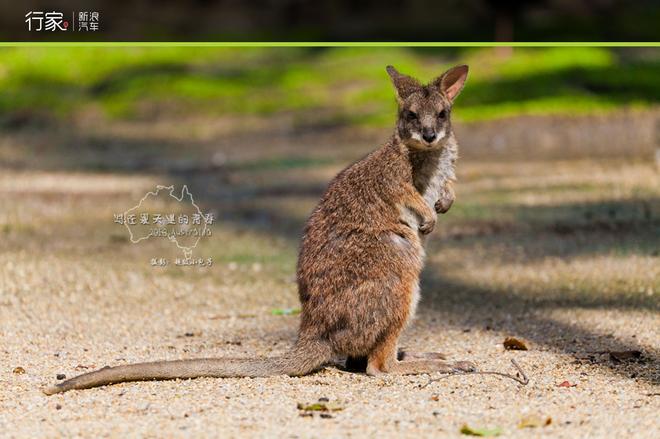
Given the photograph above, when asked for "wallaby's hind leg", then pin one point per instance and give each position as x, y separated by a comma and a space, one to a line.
384, 360
383, 357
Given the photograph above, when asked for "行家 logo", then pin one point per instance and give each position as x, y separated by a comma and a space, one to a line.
55, 21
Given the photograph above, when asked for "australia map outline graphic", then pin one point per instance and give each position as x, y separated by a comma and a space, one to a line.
186, 197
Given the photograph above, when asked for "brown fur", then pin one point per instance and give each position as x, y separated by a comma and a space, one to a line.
361, 255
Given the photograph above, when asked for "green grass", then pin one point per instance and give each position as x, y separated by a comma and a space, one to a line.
344, 85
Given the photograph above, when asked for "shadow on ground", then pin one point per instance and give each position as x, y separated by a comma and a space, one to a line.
631, 226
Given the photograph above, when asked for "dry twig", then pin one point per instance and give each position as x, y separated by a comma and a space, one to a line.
519, 377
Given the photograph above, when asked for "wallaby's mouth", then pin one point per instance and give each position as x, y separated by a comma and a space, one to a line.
437, 143
424, 146
428, 142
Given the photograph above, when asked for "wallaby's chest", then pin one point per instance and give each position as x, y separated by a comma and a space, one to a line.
432, 173
431, 183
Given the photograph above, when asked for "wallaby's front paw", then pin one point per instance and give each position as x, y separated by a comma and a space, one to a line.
443, 205
447, 198
427, 227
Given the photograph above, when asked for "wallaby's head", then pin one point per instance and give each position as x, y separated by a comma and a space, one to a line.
424, 110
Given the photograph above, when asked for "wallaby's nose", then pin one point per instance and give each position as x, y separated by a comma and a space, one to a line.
428, 136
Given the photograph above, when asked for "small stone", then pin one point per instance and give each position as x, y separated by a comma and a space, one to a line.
60, 376
19, 370
58, 407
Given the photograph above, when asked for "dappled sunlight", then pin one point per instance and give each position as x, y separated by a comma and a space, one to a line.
592, 280
553, 238
72, 183
560, 178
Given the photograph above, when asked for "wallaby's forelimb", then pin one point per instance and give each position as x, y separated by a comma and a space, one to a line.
417, 204
303, 359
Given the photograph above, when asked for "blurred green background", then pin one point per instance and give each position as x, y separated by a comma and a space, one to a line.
328, 86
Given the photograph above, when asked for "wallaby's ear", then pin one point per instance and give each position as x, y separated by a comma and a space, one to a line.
404, 84
451, 82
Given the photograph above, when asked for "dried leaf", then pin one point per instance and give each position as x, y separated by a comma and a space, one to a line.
285, 311
483, 432
321, 406
534, 421
19, 370
514, 344
566, 384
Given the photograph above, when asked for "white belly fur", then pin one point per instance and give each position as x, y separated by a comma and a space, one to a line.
439, 176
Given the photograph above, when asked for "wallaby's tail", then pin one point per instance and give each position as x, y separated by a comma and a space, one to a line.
304, 358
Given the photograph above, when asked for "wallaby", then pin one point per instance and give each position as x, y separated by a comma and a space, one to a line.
361, 255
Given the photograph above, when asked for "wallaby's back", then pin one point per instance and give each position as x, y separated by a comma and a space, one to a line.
358, 267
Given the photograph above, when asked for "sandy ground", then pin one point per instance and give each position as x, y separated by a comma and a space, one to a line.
562, 255
82, 330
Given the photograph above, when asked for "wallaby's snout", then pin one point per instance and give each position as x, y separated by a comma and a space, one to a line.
429, 135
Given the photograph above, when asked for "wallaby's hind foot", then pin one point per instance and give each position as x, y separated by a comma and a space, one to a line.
417, 367
384, 359
359, 364
408, 355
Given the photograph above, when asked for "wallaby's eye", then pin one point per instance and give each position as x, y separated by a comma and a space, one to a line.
442, 114
410, 116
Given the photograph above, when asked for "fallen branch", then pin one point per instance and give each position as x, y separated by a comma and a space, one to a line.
519, 377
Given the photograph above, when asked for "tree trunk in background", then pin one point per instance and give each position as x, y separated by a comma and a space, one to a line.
504, 30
